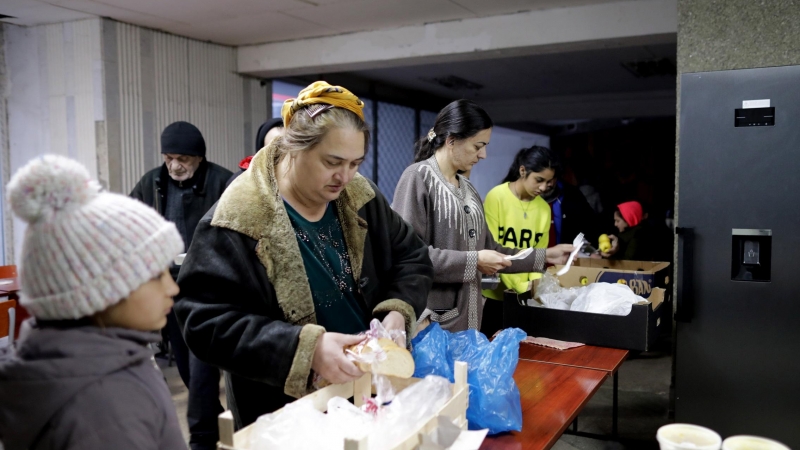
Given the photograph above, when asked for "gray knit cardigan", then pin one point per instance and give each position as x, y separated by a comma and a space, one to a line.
451, 221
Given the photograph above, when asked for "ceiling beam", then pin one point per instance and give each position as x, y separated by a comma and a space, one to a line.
621, 23
592, 106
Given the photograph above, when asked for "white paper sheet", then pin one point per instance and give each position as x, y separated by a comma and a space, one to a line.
469, 440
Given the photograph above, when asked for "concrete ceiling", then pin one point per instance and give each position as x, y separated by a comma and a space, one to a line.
569, 73
536, 92
240, 22
548, 86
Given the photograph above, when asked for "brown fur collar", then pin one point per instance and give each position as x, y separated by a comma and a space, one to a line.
252, 206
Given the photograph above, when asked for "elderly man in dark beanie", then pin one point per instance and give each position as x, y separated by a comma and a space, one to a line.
183, 189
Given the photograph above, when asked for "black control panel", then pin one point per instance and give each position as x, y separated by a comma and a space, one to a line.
755, 117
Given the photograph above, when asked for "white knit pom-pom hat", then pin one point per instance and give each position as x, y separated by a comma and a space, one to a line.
84, 250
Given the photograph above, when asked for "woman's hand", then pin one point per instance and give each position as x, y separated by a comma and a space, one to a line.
394, 321
559, 254
330, 361
614, 247
490, 261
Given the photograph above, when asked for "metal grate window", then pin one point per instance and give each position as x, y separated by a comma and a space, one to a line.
426, 121
282, 91
367, 167
395, 145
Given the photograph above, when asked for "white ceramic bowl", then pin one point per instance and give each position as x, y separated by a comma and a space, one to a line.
751, 443
682, 436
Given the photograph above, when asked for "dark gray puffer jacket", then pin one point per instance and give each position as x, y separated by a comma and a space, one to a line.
85, 388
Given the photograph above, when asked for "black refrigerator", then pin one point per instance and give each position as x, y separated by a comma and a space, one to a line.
737, 366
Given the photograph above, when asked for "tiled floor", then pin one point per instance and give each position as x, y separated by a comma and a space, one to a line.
643, 405
180, 395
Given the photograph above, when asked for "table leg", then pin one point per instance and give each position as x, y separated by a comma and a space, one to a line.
615, 405
614, 416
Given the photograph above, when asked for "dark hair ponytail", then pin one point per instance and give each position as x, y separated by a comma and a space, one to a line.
460, 119
534, 159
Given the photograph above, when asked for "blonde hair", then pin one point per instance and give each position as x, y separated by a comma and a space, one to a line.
305, 131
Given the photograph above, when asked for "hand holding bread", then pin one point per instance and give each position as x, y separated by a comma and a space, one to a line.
382, 357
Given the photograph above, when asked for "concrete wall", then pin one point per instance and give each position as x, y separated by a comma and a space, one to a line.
101, 92
54, 97
154, 79
5, 218
737, 34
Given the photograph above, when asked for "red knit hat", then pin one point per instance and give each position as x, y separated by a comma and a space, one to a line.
631, 212
245, 163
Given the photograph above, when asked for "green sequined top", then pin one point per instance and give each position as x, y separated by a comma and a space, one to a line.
330, 276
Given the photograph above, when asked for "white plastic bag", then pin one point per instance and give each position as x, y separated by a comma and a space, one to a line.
552, 295
385, 392
606, 298
412, 406
348, 420
290, 428
601, 298
278, 431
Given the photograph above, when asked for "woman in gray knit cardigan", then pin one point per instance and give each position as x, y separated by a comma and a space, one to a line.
447, 213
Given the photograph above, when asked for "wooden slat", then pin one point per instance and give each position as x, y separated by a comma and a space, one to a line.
226, 428
356, 444
454, 409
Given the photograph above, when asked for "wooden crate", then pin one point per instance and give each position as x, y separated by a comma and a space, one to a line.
455, 409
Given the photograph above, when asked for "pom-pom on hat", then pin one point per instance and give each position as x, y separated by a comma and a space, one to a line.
84, 250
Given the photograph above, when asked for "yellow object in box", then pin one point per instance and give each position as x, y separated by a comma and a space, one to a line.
604, 243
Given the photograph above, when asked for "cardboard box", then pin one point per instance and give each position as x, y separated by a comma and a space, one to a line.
637, 331
640, 276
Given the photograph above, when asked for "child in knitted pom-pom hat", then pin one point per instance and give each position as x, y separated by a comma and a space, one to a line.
93, 274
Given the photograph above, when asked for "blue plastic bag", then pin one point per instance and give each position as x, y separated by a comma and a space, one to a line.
429, 349
494, 401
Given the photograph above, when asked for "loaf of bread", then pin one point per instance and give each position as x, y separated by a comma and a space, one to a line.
397, 362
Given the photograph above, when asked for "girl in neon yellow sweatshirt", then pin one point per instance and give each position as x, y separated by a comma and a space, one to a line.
518, 217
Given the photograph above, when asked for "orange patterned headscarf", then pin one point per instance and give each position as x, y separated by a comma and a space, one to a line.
322, 92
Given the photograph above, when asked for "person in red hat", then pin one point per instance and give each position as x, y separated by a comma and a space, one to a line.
634, 241
268, 131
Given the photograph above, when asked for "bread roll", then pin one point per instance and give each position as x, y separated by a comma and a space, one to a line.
397, 363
